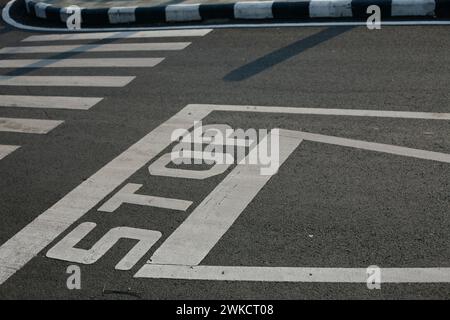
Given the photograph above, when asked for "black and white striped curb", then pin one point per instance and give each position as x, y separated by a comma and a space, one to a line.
257, 10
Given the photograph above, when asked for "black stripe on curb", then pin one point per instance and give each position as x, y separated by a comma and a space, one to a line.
442, 8
53, 13
217, 11
150, 14
359, 8
290, 10
95, 17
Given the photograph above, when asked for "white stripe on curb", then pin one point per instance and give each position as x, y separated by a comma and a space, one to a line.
330, 8
75, 103
183, 12
40, 9
36, 126
121, 14
413, 7
253, 10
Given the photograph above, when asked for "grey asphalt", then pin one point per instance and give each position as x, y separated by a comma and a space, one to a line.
327, 207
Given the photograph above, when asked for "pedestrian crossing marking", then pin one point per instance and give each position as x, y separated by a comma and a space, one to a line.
7, 149
48, 102
37, 126
80, 63
119, 47
120, 35
66, 81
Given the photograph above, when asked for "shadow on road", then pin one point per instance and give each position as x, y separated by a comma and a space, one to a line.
268, 61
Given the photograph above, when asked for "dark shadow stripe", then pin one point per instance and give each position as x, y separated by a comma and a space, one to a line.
283, 54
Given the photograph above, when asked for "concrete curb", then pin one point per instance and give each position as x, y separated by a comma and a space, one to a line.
261, 10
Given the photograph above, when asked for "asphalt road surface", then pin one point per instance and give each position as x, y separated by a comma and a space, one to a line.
345, 198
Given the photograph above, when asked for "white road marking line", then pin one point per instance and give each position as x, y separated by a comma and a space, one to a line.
80, 63
121, 35
371, 146
39, 233
48, 102
7, 149
292, 274
201, 230
127, 195
163, 46
37, 126
332, 112
69, 81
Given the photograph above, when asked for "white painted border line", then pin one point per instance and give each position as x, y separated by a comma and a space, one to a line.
39, 233
37, 126
292, 274
48, 102
66, 81
81, 63
122, 47
120, 35
7, 149
329, 112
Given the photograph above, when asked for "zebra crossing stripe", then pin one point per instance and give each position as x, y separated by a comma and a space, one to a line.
74, 81
37, 126
7, 149
121, 35
75, 103
80, 63
163, 46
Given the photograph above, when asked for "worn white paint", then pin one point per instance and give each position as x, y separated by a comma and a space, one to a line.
69, 81
37, 126
48, 102
7, 149
120, 35
183, 12
109, 47
127, 195
253, 10
65, 249
80, 63
39, 8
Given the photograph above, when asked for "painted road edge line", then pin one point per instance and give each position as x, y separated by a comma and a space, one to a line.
48, 102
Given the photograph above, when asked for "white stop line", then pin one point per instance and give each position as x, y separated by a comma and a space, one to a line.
181, 254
